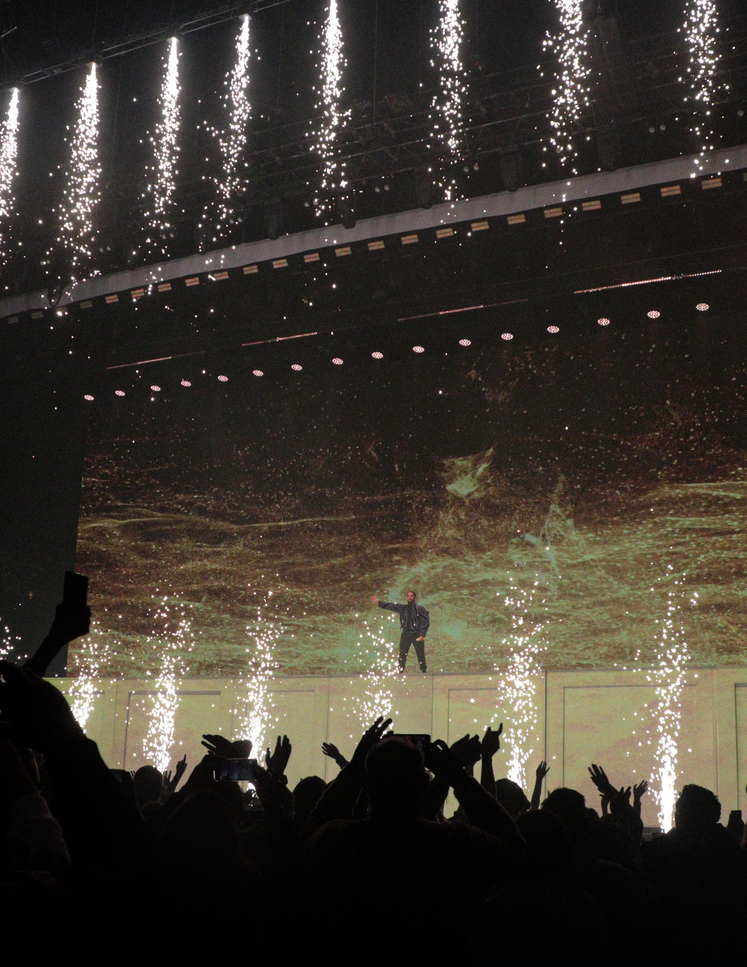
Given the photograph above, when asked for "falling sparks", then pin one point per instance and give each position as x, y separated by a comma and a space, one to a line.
172, 643
668, 678
161, 188
701, 28
447, 106
8, 641
81, 192
255, 702
334, 179
91, 658
570, 95
231, 182
377, 653
8, 171
520, 680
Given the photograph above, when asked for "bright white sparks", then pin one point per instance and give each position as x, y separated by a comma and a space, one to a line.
92, 656
519, 682
447, 107
162, 171
701, 28
173, 641
254, 713
8, 172
326, 140
81, 191
231, 182
570, 93
8, 641
377, 653
668, 678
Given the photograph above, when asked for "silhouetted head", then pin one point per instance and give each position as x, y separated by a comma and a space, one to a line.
148, 785
549, 849
697, 808
570, 808
305, 796
396, 779
512, 797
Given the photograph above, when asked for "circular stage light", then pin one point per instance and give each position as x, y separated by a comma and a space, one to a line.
507, 336
553, 329
223, 379
465, 342
186, 382
154, 388
119, 392
258, 372
88, 397
337, 361
377, 355
603, 321
702, 307
653, 314
297, 367
418, 349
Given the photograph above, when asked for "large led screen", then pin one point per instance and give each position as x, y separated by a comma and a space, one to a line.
587, 492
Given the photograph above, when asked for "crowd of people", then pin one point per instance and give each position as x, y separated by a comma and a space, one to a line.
367, 868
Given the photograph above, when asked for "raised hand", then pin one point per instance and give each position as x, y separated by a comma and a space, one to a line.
541, 771
444, 762
599, 778
466, 750
334, 753
278, 760
221, 746
370, 738
640, 790
181, 768
491, 741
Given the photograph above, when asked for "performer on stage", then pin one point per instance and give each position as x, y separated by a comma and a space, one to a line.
414, 621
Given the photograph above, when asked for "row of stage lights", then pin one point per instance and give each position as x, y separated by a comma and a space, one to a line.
378, 355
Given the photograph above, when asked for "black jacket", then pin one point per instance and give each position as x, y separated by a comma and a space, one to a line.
412, 617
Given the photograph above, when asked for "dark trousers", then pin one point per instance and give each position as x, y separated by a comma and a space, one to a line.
410, 638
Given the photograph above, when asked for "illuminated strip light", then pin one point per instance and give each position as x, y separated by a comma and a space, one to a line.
192, 281
480, 226
668, 190
164, 287
553, 212
711, 183
375, 246
280, 263
448, 312
109, 299
137, 294
446, 232
663, 278
8, 173
264, 342
516, 219
630, 199
311, 257
409, 239
344, 250
219, 276
250, 269
590, 206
